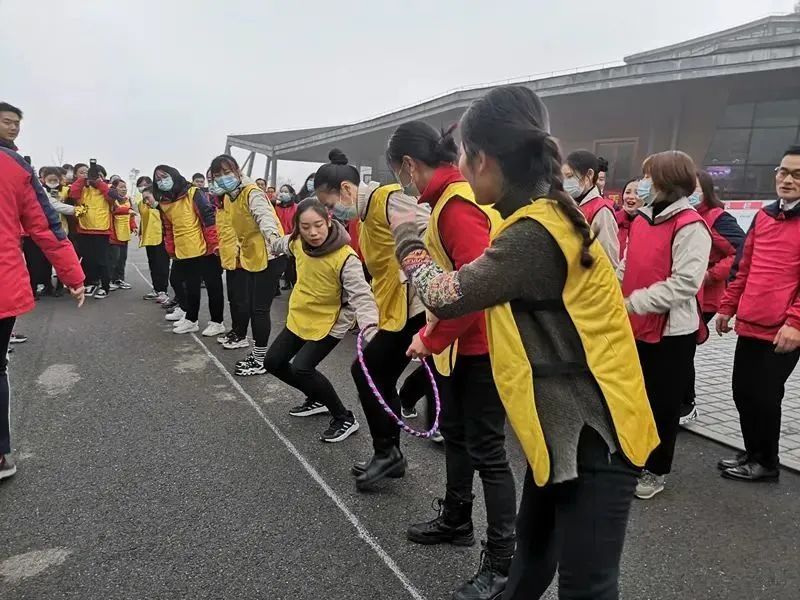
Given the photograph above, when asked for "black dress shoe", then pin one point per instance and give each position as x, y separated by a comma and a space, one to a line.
741, 458
389, 463
751, 471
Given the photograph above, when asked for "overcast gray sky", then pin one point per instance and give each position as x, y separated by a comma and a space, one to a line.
134, 83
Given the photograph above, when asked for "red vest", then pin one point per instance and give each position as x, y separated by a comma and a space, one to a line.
648, 261
714, 291
591, 208
623, 227
773, 280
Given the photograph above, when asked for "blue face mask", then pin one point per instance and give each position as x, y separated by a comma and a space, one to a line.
228, 183
215, 189
345, 213
695, 198
165, 184
310, 185
645, 191
573, 187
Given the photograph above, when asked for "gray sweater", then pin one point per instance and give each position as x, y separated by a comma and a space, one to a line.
524, 264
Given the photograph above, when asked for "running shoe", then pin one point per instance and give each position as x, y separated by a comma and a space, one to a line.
649, 485
308, 408
7, 466
113, 286
175, 315
250, 366
340, 429
123, 285
89, 290
169, 304
213, 329
409, 413
151, 295
235, 342
100, 293
437, 437
161, 298
224, 338
186, 327
18, 338
688, 414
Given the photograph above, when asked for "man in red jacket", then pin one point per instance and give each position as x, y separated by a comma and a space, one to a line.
24, 207
765, 297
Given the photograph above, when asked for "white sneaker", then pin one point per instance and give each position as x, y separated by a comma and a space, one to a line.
178, 323
649, 485
161, 297
100, 293
437, 437
186, 327
112, 286
175, 315
214, 329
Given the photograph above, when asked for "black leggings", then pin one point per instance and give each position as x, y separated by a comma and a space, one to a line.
236, 288
192, 271
386, 360
94, 258
178, 283
259, 291
294, 361
39, 269
6, 327
416, 386
690, 393
158, 263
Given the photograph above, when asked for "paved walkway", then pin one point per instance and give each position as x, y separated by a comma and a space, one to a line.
718, 418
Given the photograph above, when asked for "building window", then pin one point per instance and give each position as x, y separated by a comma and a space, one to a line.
620, 155
749, 141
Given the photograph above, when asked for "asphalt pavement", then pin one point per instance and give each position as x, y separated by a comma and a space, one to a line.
146, 470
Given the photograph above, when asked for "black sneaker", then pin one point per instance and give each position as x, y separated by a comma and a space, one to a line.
250, 366
7, 466
453, 525
308, 408
225, 337
490, 580
340, 429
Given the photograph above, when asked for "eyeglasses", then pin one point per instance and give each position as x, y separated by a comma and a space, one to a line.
783, 173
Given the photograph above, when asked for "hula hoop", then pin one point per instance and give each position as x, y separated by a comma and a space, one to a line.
437, 402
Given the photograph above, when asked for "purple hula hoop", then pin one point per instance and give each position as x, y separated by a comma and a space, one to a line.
386, 407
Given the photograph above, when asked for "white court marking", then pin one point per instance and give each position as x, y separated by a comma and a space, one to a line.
362, 531
32, 563
58, 379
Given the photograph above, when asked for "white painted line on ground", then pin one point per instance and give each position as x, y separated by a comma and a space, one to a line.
363, 532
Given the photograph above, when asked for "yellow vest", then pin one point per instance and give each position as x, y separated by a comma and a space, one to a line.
228, 242
317, 297
98, 213
377, 248
594, 302
187, 229
446, 360
151, 232
122, 224
253, 254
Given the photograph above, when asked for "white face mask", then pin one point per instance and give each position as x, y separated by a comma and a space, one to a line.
572, 186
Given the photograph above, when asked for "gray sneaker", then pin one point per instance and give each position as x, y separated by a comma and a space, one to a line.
7, 466
649, 485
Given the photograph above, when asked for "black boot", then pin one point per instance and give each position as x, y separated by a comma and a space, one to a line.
361, 465
490, 580
388, 461
452, 526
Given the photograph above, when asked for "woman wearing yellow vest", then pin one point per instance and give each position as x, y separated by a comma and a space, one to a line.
331, 294
400, 314
561, 346
190, 236
252, 219
473, 419
151, 238
124, 224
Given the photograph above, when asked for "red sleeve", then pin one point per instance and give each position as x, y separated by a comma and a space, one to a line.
169, 238
120, 210
464, 231
41, 222
730, 302
76, 188
726, 238
132, 223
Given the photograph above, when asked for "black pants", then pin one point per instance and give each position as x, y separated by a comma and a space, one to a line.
416, 386
667, 367
193, 271
95, 259
6, 327
158, 263
386, 360
39, 268
473, 426
259, 291
294, 361
688, 401
178, 283
576, 528
759, 376
118, 258
236, 288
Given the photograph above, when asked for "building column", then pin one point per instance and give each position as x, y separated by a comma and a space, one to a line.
266, 168
273, 164
676, 126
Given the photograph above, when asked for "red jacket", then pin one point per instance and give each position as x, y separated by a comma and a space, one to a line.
764, 292
624, 226
726, 239
592, 207
464, 231
24, 202
286, 217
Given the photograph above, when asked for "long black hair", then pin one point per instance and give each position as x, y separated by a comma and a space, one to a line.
309, 204
709, 194
180, 186
510, 124
304, 193
422, 142
220, 162
581, 161
330, 176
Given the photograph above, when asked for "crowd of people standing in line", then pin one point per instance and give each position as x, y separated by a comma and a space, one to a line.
537, 300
